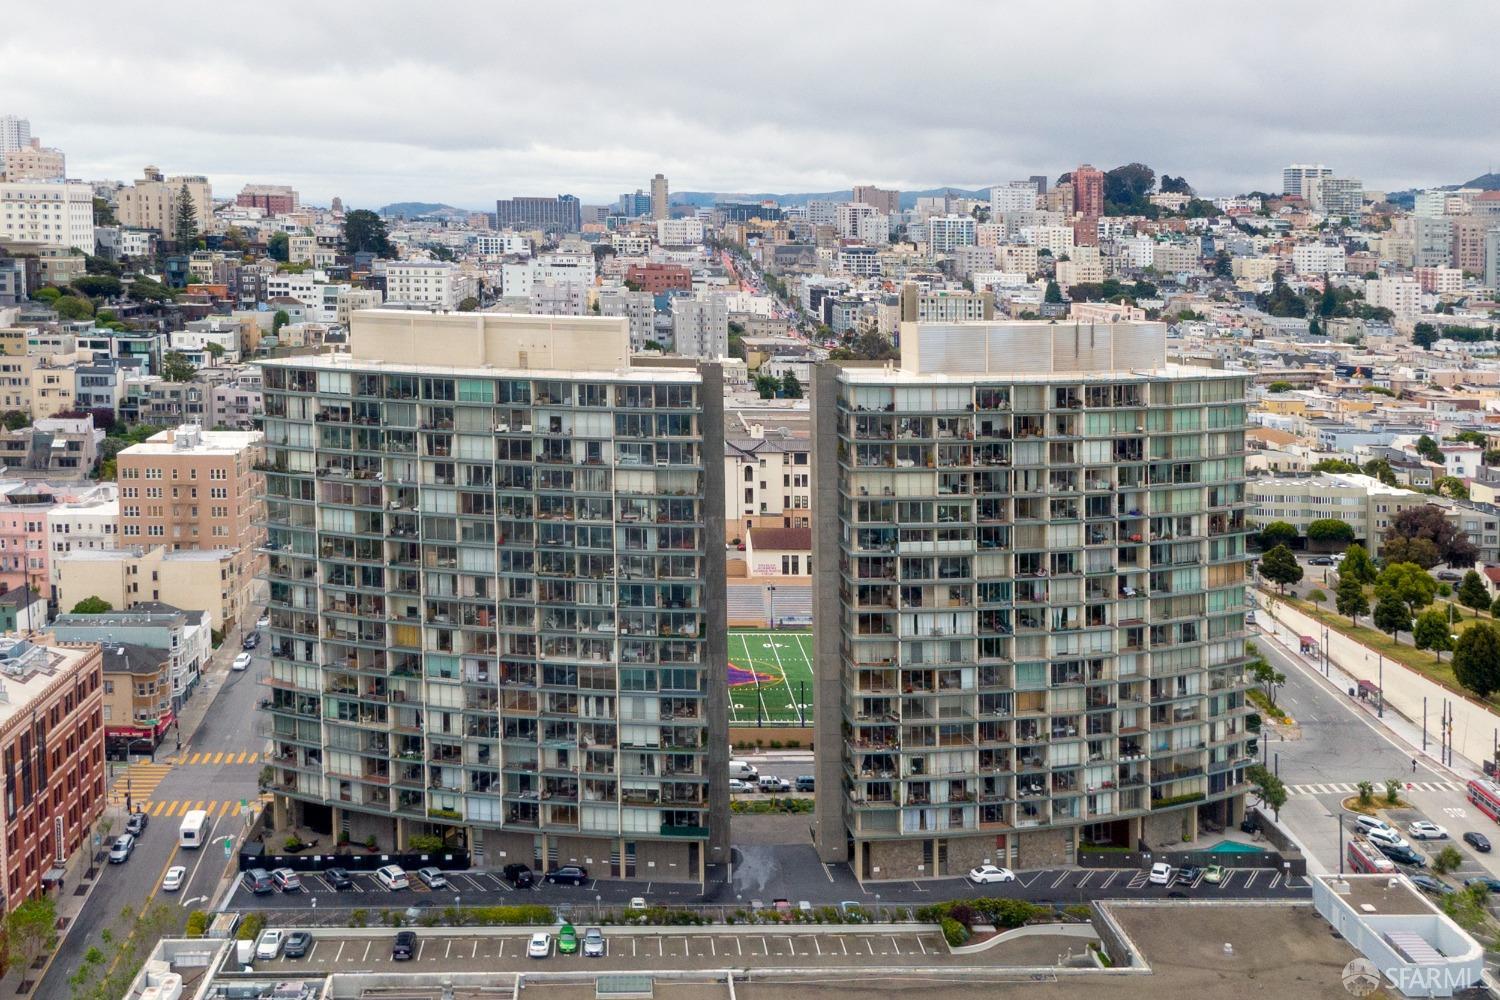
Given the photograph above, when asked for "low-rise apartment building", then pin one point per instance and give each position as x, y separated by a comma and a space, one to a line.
185, 638
138, 702
1364, 503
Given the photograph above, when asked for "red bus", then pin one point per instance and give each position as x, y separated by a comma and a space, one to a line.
1486, 797
1366, 858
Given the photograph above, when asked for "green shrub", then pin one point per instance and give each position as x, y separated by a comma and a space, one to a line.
359, 918
197, 924
293, 844
391, 918
424, 843
1079, 911
955, 932
526, 913
251, 926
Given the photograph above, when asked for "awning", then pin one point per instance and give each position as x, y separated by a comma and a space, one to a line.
53, 875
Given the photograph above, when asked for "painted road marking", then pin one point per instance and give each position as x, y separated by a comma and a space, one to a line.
1055, 882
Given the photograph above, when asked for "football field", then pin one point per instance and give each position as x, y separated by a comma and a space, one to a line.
770, 677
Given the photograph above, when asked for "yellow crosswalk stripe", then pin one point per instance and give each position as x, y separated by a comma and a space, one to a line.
218, 758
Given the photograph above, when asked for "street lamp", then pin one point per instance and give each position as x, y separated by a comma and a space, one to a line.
771, 597
1341, 841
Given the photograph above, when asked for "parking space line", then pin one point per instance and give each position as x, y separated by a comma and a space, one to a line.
1086, 876
1063, 877
474, 951
340, 953
843, 945
1254, 874
921, 945
367, 951
1275, 880
1138, 880
1034, 877
713, 946
1112, 876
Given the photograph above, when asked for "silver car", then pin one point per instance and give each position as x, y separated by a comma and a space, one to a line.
593, 943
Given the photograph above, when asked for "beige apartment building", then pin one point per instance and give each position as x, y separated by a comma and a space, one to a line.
767, 483
35, 163
190, 489
1364, 503
151, 202
207, 580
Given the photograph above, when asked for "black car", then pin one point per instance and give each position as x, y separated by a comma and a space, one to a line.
1188, 874
1492, 884
251, 641
804, 783
1320, 561
404, 948
339, 879
297, 944
1403, 856
569, 875
1432, 886
517, 875
136, 824
258, 881
1478, 841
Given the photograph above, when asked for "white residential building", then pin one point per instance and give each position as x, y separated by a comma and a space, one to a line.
91, 525
559, 298
52, 213
1401, 295
501, 244
945, 232
1318, 258
15, 133
1299, 178
823, 213
679, 232
1017, 196
1058, 240
517, 279
700, 326
630, 244
1015, 257
1430, 204
638, 307
428, 282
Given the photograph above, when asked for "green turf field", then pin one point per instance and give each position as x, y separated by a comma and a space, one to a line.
770, 677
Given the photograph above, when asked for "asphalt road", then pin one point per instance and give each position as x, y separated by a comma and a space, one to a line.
228, 726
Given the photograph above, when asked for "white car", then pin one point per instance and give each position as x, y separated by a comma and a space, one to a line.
736, 785
264, 621
1423, 830
172, 881
241, 662
985, 874
540, 945
1386, 838
269, 945
1161, 873
1367, 823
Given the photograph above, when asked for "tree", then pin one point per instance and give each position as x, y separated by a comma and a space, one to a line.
1280, 386
1431, 631
214, 349
1393, 616
1476, 659
1281, 300
73, 308
1424, 335
1266, 676
104, 213
278, 247
1328, 302
1126, 188
1407, 583
1366, 792
1430, 522
1317, 596
1495, 608
1447, 860
175, 367
468, 305
1357, 565
1428, 449
1223, 265
767, 385
184, 219
144, 289
1335, 465
1277, 533
99, 286
790, 387
1330, 531
1351, 599
30, 932
365, 231
1054, 293
1280, 567
1380, 469
279, 320
1175, 185
1268, 788
1450, 486
93, 606
1472, 593
1420, 551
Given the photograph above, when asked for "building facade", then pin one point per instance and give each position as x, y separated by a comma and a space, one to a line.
1031, 598
48, 213
660, 208
35, 162
496, 599
151, 202
560, 214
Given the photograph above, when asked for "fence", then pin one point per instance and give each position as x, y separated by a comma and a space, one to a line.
252, 857
1293, 863
424, 913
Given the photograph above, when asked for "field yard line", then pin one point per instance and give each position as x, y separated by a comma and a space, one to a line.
807, 658
790, 694
733, 712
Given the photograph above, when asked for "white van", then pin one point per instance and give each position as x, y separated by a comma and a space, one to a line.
743, 770
392, 877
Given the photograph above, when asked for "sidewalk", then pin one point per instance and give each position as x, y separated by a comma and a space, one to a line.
1403, 708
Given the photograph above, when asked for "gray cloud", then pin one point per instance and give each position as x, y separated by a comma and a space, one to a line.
464, 102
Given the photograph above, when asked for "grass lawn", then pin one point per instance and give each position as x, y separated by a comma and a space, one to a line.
770, 677
1421, 660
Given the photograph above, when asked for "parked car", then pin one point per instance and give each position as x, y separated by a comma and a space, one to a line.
1448, 575
136, 824
432, 878
771, 783
258, 881
339, 879
119, 851
392, 877
404, 948
251, 640
1188, 874
1161, 873
804, 783
1367, 823
1423, 830
593, 943
540, 945
1432, 886
172, 880
286, 880
297, 943
1492, 884
736, 786
639, 903
567, 940
743, 769
985, 874
518, 876
241, 662
1403, 856
1213, 874
269, 943
1478, 841
1386, 838
1320, 561
568, 875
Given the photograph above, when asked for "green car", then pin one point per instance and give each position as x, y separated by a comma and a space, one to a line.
1214, 874
567, 940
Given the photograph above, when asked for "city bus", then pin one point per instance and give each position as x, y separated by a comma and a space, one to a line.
1486, 797
194, 828
1365, 857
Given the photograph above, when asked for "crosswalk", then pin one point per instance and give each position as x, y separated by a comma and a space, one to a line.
139, 780
181, 807
209, 757
1346, 788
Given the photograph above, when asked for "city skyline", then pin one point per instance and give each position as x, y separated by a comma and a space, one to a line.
795, 125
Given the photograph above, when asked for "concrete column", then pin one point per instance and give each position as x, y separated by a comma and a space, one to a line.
337, 815
280, 812
830, 822
400, 834
1133, 834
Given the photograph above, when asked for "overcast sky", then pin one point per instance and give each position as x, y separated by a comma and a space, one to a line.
462, 103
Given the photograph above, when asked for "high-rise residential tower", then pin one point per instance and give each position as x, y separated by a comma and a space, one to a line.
1030, 587
660, 207
497, 593
15, 133
1088, 191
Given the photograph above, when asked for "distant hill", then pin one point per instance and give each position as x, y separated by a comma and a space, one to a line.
1489, 182
908, 198
413, 209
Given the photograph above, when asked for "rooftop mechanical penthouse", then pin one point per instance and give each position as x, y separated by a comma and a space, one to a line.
1030, 581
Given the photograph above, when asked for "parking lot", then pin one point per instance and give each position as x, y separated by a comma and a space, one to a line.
630, 950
